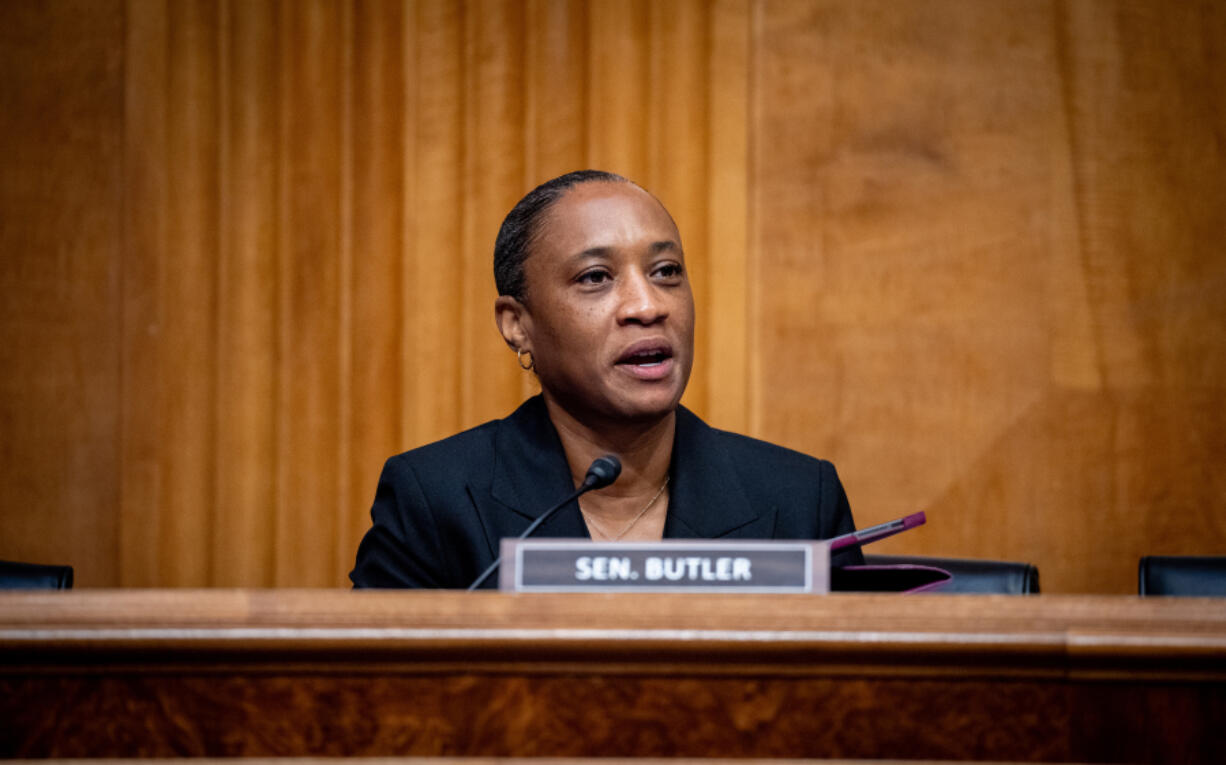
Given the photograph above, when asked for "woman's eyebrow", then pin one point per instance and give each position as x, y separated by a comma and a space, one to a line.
665, 245
593, 252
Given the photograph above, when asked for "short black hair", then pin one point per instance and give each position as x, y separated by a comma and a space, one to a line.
519, 228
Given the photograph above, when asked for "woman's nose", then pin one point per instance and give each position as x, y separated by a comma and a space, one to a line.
641, 302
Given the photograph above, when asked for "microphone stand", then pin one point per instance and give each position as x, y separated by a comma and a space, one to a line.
603, 471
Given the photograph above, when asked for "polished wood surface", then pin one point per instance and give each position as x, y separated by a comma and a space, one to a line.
297, 673
468, 761
969, 251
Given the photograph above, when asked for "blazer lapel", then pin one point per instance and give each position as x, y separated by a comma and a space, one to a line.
706, 499
530, 475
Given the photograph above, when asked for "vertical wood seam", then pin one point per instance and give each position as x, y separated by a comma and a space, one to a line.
280, 420
408, 219
467, 76
648, 135
213, 166
753, 238
345, 279
585, 107
589, 84
749, 321
125, 247
531, 96
159, 287
222, 262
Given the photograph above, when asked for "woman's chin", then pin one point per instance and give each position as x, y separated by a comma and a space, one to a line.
620, 401
647, 405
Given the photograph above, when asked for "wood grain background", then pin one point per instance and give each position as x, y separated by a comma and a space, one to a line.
972, 252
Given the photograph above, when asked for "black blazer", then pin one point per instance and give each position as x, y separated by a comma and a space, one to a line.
441, 510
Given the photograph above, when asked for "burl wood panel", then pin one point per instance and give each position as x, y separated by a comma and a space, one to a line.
182, 714
329, 673
969, 251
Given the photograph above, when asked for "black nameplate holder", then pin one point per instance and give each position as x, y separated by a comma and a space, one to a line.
581, 565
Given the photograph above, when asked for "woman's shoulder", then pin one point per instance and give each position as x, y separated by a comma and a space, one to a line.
461, 446
468, 448
749, 453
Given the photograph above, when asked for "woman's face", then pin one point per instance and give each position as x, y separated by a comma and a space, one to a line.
608, 314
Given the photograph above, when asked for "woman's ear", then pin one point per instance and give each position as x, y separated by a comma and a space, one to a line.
513, 320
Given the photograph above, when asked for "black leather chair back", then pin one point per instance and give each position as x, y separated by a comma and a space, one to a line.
33, 576
972, 575
1182, 575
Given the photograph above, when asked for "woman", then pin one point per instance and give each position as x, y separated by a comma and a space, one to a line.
595, 299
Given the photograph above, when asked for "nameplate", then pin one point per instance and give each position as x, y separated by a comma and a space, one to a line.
580, 565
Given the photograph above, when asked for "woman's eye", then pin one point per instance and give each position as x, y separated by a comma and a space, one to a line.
593, 277
669, 270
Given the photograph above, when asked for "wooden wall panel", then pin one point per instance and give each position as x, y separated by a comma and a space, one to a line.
434, 259
247, 297
969, 251
146, 177
724, 359
983, 322
493, 182
308, 395
555, 90
61, 224
373, 372
187, 280
618, 86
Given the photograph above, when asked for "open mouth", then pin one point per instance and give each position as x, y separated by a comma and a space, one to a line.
647, 359
651, 359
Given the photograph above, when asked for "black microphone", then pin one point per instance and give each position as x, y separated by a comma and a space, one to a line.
602, 472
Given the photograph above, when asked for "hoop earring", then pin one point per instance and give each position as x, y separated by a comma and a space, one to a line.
519, 356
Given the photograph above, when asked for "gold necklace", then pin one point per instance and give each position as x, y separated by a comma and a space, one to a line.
591, 522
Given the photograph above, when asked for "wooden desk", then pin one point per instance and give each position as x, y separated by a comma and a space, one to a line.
320, 673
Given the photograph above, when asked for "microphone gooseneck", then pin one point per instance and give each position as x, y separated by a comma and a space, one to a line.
602, 472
